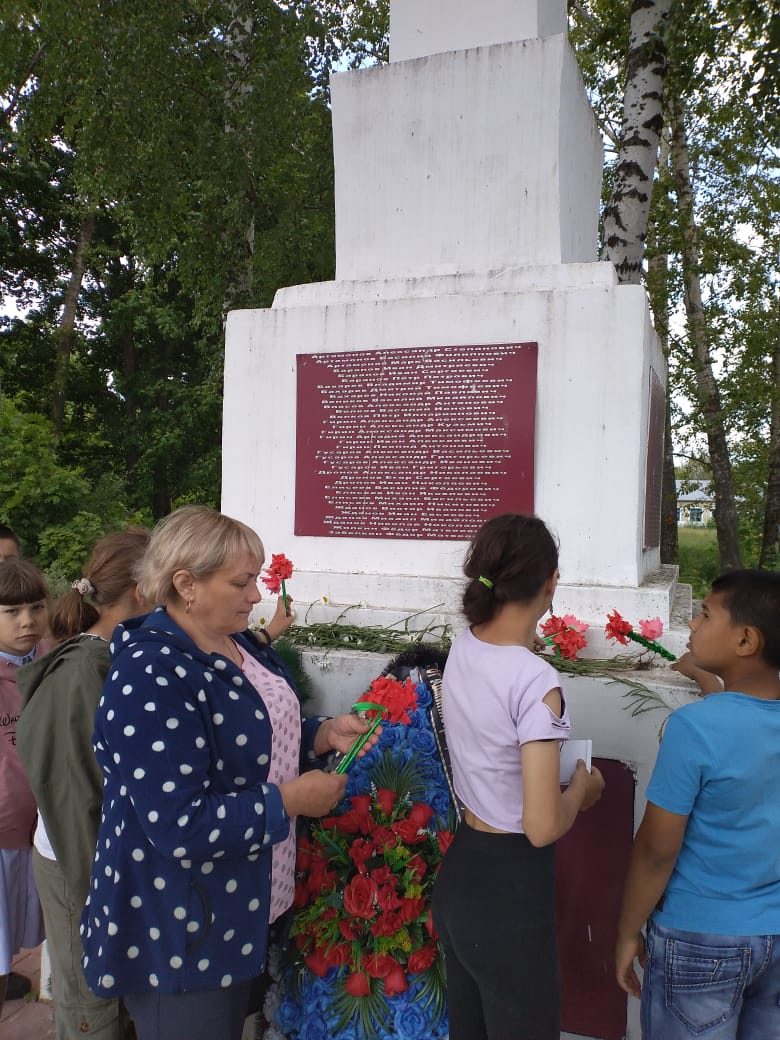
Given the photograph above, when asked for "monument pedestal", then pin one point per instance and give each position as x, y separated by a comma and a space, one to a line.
597, 363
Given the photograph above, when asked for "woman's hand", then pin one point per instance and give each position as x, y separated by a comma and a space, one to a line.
339, 734
313, 794
281, 620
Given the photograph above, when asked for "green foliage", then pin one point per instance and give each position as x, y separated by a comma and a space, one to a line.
699, 560
55, 509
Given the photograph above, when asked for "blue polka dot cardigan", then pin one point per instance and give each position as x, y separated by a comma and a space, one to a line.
181, 880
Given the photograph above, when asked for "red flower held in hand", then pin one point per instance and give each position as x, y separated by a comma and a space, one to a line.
618, 628
281, 570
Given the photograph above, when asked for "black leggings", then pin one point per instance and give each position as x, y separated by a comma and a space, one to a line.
206, 1015
494, 910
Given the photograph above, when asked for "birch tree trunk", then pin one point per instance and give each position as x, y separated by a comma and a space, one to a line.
707, 390
238, 89
66, 331
626, 213
770, 542
658, 288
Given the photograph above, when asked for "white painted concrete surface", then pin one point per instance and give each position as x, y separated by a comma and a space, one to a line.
419, 27
464, 161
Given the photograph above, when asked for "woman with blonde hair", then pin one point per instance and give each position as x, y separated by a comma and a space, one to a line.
60, 693
207, 763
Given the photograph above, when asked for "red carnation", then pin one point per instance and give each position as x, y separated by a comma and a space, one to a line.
617, 628
272, 583
398, 698
566, 634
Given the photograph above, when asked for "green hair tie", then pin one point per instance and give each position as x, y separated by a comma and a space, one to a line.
486, 582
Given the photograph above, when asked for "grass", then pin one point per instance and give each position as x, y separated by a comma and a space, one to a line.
699, 560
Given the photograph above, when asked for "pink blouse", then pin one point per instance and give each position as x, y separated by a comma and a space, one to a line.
285, 714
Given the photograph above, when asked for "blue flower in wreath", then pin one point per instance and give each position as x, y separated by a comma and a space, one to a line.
393, 735
422, 741
289, 1014
424, 697
314, 1027
411, 1022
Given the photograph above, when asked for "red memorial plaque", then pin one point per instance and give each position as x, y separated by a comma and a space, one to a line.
425, 442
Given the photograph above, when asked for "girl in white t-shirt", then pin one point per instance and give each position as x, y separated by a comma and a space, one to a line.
504, 715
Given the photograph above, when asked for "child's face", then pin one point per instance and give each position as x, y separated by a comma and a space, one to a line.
21, 627
8, 549
714, 636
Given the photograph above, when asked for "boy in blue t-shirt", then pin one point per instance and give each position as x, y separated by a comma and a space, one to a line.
705, 867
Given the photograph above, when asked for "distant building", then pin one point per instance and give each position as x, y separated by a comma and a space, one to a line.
695, 503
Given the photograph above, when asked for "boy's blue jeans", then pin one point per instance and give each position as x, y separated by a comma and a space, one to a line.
716, 987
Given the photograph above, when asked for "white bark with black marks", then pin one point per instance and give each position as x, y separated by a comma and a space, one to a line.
626, 213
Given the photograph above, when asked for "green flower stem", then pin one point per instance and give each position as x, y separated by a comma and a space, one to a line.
284, 599
353, 752
651, 644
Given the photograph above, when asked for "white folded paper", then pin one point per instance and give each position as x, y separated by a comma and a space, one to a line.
571, 752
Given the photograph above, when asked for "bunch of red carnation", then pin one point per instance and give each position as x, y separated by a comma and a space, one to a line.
566, 634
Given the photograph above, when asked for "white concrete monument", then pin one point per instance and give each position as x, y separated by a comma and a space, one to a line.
472, 355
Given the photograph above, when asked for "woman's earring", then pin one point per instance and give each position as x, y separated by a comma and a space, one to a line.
187, 606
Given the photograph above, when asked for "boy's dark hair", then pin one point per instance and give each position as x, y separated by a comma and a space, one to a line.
515, 554
752, 597
20, 583
8, 532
